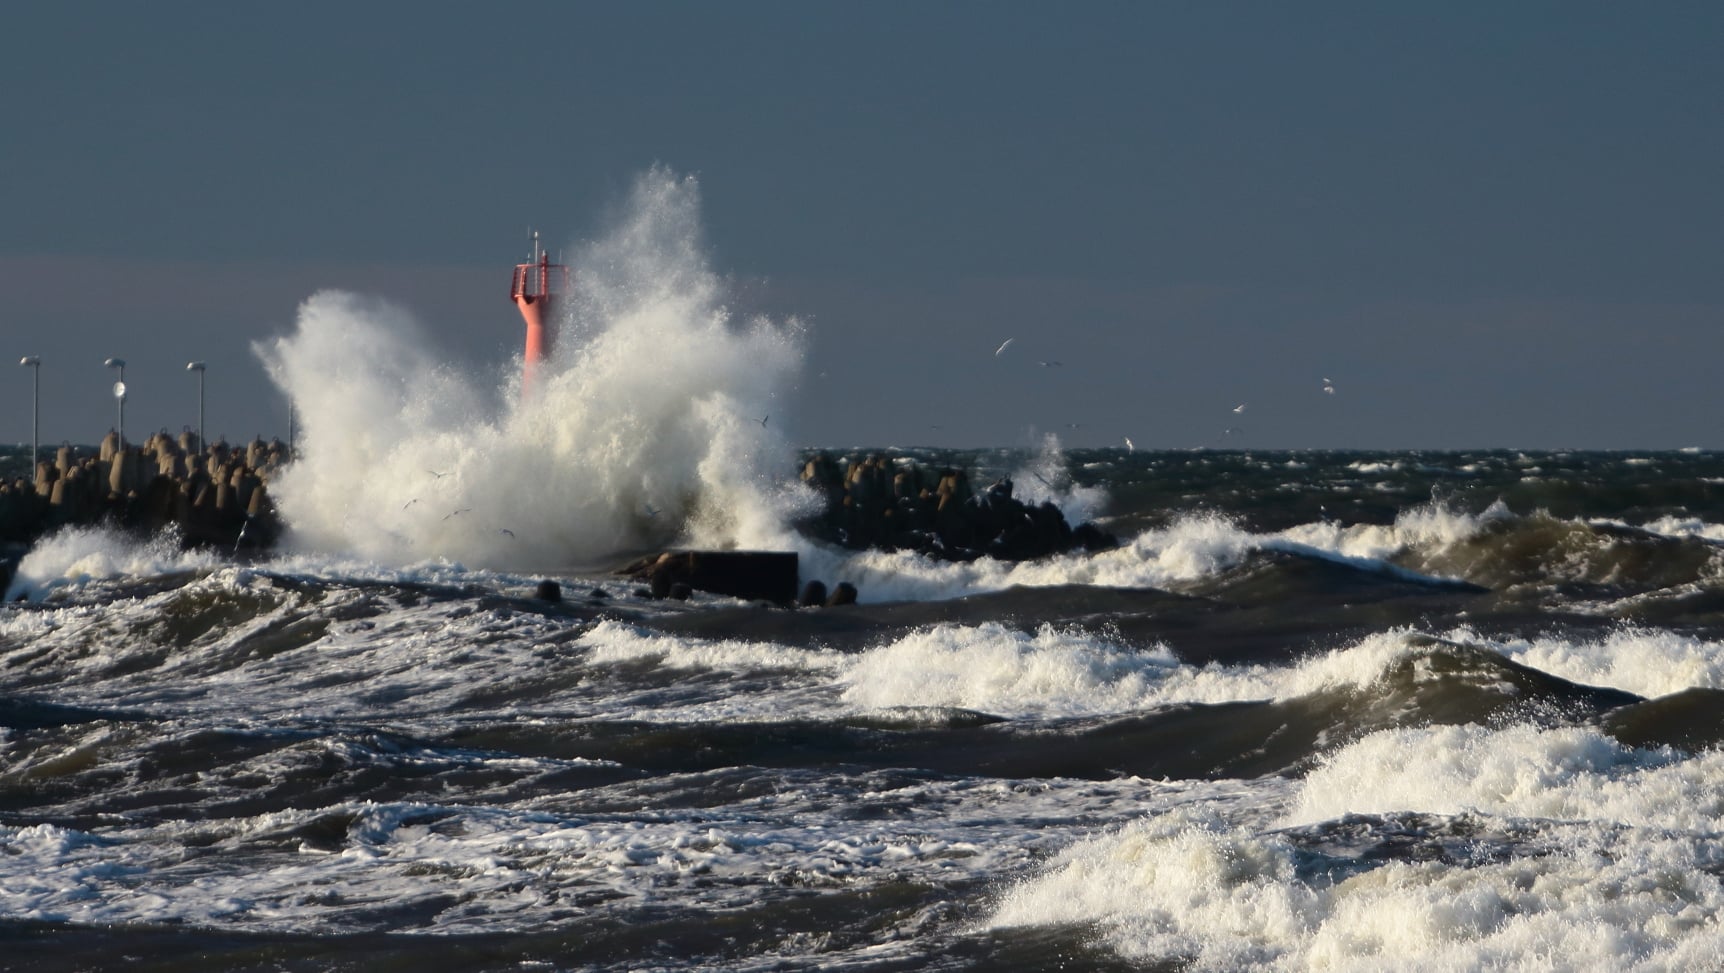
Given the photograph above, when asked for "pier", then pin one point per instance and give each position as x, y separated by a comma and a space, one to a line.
214, 495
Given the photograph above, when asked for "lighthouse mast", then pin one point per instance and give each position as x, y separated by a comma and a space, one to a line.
537, 290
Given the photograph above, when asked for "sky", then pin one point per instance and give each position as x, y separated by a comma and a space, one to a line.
1487, 225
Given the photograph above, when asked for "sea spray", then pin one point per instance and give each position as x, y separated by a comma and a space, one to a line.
1539, 850
74, 557
1045, 477
653, 427
1194, 547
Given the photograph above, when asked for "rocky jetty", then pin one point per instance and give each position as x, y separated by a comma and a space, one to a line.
218, 495
215, 495
879, 503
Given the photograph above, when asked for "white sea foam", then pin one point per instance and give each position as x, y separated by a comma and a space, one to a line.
1625, 875
648, 429
1684, 527
74, 557
1194, 547
1646, 662
1054, 672
611, 642
1520, 771
1046, 478
1429, 527
480, 869
1001, 670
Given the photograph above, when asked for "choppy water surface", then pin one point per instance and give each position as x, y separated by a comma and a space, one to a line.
1340, 711
1318, 711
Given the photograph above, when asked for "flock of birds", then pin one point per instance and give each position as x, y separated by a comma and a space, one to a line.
1230, 431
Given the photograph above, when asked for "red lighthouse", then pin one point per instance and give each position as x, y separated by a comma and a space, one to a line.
537, 290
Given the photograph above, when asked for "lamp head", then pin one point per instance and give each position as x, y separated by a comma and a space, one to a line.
31, 360
115, 363
194, 366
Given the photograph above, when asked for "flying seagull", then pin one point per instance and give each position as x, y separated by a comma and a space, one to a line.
1049, 364
1130, 446
1003, 346
410, 503
1328, 387
454, 512
763, 421
505, 530
436, 475
1240, 407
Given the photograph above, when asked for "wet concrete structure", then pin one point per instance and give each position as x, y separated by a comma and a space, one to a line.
878, 503
212, 496
218, 495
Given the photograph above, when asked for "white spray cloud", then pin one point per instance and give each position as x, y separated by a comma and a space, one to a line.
71, 558
647, 430
1046, 478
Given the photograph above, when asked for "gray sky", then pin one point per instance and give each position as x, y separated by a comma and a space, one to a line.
1489, 224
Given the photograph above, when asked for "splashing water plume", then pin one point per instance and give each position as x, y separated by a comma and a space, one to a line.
646, 432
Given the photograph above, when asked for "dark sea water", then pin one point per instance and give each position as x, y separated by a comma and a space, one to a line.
1319, 710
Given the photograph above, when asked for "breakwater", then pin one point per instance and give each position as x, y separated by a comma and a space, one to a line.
884, 503
217, 495
214, 494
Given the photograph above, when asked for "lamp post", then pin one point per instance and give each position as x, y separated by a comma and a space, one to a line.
198, 366
120, 394
35, 364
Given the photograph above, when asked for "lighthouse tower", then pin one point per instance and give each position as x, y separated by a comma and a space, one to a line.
538, 289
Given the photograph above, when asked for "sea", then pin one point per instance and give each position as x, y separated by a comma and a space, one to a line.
1319, 710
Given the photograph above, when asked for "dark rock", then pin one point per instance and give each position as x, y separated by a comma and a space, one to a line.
878, 503
844, 593
813, 595
753, 575
548, 590
1092, 538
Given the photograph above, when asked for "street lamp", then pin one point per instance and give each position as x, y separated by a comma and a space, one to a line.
35, 364
198, 366
120, 394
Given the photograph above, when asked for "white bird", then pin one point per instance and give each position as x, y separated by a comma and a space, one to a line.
1328, 387
1130, 446
436, 475
1003, 346
1049, 364
1240, 407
